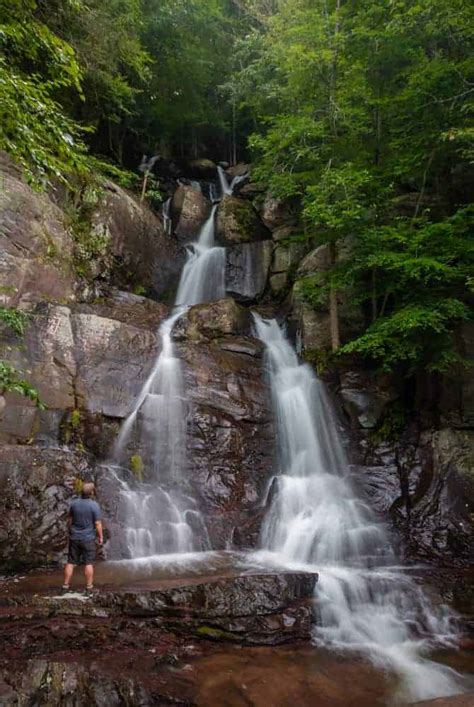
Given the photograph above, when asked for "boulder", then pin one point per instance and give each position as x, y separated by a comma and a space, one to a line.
127, 308
265, 608
238, 170
286, 257
113, 363
365, 396
251, 191
35, 488
144, 255
231, 443
312, 319
213, 320
189, 209
247, 269
275, 213
35, 244
46, 358
238, 222
202, 168
426, 485
94, 358
318, 260
440, 519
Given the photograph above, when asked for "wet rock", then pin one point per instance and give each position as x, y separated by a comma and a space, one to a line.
47, 358
80, 360
127, 308
113, 362
35, 244
35, 488
440, 519
238, 222
268, 608
465, 700
189, 209
227, 598
52, 682
213, 320
247, 269
365, 397
231, 443
144, 255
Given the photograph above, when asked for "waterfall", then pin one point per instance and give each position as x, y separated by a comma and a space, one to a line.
226, 188
224, 184
365, 603
159, 518
203, 276
167, 223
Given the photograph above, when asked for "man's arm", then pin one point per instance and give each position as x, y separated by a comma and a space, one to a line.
99, 531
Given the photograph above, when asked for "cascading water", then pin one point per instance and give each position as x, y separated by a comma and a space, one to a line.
316, 520
159, 518
167, 223
226, 188
203, 276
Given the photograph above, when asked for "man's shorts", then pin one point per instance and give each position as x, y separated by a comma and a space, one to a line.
81, 552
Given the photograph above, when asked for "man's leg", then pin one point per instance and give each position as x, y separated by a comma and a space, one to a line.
89, 574
68, 570
72, 560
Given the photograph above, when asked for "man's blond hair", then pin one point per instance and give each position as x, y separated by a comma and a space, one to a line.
88, 490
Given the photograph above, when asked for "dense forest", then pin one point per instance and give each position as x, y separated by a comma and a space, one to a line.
360, 114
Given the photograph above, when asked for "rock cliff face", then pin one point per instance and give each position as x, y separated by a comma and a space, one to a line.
89, 347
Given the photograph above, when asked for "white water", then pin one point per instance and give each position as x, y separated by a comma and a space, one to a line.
226, 188
203, 276
317, 521
167, 223
159, 518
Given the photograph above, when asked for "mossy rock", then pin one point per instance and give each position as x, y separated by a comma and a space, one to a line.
238, 222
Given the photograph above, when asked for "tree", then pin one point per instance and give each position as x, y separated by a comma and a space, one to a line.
363, 113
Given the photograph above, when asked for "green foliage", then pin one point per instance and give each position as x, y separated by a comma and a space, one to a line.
15, 319
137, 467
35, 65
357, 105
75, 419
320, 359
415, 335
11, 382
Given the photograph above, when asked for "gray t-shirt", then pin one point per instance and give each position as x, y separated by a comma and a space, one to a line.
84, 513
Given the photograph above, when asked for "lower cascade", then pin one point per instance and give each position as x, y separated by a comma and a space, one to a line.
159, 517
365, 603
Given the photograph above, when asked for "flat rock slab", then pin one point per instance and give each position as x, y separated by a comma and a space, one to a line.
266, 609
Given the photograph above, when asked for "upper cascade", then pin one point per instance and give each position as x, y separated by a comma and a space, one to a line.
160, 519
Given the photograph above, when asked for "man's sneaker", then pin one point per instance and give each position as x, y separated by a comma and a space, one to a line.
89, 591
65, 589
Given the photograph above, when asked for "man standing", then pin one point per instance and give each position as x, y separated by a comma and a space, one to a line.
84, 522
